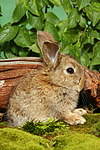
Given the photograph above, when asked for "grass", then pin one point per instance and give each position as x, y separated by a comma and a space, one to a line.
53, 135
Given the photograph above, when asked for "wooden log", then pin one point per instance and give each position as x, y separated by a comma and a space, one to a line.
11, 70
92, 83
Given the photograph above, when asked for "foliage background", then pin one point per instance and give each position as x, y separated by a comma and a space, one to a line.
78, 31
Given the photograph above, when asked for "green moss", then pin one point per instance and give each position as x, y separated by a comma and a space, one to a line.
57, 136
3, 124
73, 140
98, 128
92, 119
11, 139
16, 139
92, 125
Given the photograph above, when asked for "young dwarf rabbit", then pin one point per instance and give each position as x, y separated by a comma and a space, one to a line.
50, 92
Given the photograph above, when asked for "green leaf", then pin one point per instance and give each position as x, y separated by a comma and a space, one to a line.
69, 49
82, 21
96, 34
33, 35
97, 1
19, 12
48, 3
85, 59
8, 32
98, 26
0, 11
14, 48
33, 38
69, 37
73, 18
51, 17
73, 50
82, 3
61, 27
35, 21
5, 46
89, 36
93, 13
23, 21
58, 3
96, 54
2, 55
34, 48
23, 53
23, 38
67, 5
17, 2
34, 7
9, 54
49, 27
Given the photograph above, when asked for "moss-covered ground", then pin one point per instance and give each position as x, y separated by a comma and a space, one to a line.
53, 136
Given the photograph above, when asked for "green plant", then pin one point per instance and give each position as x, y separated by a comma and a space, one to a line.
79, 34
40, 128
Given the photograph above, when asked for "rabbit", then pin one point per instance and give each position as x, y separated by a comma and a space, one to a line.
52, 91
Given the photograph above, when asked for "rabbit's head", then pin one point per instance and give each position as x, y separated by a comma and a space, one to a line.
62, 69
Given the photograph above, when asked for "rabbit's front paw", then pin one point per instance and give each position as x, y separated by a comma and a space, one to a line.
75, 119
80, 111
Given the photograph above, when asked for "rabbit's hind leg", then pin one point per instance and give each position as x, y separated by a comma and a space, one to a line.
80, 111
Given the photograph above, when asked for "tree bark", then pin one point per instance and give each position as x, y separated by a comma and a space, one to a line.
11, 70
92, 83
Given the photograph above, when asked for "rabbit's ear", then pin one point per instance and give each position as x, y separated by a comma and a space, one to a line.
50, 49
51, 54
43, 37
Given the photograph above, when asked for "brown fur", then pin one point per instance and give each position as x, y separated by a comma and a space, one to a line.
50, 92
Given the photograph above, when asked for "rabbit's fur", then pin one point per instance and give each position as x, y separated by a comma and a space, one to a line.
50, 92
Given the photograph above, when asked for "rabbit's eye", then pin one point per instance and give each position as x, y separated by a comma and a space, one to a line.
70, 70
